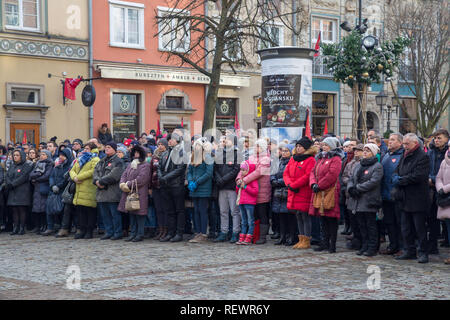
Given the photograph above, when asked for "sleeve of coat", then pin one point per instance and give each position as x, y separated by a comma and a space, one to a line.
143, 176
312, 175
232, 174
73, 172
303, 181
350, 182
114, 176
252, 189
207, 175
440, 179
374, 180
189, 173
46, 175
24, 177
331, 177
89, 172
96, 175
286, 176
419, 174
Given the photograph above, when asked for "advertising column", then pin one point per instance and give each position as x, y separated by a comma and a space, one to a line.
286, 91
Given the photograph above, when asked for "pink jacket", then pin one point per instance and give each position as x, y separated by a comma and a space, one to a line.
249, 194
443, 182
262, 175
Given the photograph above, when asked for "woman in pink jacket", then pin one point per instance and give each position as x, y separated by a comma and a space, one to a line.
443, 189
247, 194
324, 176
261, 159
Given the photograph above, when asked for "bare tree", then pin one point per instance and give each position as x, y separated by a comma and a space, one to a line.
225, 37
425, 68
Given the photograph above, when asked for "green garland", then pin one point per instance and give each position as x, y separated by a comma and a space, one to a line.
350, 62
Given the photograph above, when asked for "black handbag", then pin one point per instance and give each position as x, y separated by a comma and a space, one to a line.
443, 201
54, 204
68, 193
281, 193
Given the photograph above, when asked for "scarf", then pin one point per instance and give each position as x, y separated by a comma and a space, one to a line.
301, 157
365, 164
40, 167
134, 164
85, 158
412, 150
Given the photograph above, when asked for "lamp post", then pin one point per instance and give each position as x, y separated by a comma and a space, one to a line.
381, 100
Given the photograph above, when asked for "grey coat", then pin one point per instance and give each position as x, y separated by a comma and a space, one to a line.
368, 184
108, 172
18, 183
39, 177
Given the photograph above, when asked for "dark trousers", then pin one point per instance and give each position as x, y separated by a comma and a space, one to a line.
87, 217
433, 226
392, 221
275, 218
288, 225
329, 230
19, 215
68, 216
315, 229
173, 203
2, 214
355, 226
413, 224
213, 216
161, 217
262, 213
367, 222
201, 214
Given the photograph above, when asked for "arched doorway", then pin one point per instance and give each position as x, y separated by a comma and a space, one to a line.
372, 121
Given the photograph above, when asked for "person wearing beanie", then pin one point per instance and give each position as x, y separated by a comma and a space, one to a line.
107, 174
296, 178
39, 178
364, 189
77, 146
261, 159
323, 180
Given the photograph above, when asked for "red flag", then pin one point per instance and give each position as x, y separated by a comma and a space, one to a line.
158, 131
307, 126
317, 47
69, 87
325, 130
24, 139
237, 127
182, 124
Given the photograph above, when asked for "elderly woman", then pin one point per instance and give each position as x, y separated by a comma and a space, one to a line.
443, 189
85, 191
261, 159
364, 188
136, 177
324, 179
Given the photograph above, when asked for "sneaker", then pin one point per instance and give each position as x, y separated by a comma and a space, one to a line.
196, 238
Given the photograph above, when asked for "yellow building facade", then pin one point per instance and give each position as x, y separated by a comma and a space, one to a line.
38, 38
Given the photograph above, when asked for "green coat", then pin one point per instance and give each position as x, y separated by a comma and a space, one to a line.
85, 191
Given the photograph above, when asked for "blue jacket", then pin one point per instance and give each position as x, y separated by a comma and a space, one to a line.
436, 156
390, 163
202, 175
383, 149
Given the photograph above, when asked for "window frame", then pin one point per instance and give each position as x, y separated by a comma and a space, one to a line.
139, 7
160, 40
21, 27
281, 34
319, 60
40, 100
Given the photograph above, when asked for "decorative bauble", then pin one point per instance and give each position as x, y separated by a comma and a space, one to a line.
380, 67
379, 49
363, 59
350, 77
365, 74
388, 79
389, 61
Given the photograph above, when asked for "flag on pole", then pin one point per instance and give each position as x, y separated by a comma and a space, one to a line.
182, 123
307, 126
24, 139
237, 127
158, 131
325, 130
317, 47
70, 85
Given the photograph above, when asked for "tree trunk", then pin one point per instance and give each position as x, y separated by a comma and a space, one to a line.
211, 101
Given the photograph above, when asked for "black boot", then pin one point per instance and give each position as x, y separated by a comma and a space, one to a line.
263, 230
36, 222
15, 230
21, 230
276, 235
281, 240
89, 234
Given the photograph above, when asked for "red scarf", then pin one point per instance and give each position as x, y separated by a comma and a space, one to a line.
412, 150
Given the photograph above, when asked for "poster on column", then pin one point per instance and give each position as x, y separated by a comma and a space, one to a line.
286, 92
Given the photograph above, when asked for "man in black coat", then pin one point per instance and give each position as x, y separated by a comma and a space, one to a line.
171, 176
411, 190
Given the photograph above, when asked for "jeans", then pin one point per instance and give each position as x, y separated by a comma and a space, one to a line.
248, 219
112, 218
447, 222
201, 214
100, 224
137, 225
304, 223
227, 202
392, 223
150, 218
50, 221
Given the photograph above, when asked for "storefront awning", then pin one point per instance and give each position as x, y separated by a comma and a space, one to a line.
168, 74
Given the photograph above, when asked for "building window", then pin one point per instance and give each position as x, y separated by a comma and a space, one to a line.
225, 113
327, 29
125, 115
406, 67
322, 110
22, 14
174, 102
126, 24
174, 33
24, 95
274, 33
408, 116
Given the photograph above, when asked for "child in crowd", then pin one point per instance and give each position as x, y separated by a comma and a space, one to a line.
246, 199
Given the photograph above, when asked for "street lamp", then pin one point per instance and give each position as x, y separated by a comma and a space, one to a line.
381, 100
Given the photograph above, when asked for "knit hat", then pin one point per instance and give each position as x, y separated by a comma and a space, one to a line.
331, 142
360, 147
78, 141
305, 142
123, 150
346, 143
112, 144
164, 142
48, 153
245, 166
373, 148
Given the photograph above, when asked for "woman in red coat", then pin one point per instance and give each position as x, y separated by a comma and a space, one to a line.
296, 177
324, 176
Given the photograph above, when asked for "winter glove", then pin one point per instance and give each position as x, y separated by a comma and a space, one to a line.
395, 179
193, 185
315, 188
219, 182
55, 189
190, 187
124, 187
353, 192
292, 189
441, 192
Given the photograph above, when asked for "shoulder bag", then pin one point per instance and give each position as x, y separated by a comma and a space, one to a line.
132, 203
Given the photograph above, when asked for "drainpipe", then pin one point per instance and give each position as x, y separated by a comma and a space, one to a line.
91, 60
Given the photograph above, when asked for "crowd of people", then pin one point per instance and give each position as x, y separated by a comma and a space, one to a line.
236, 188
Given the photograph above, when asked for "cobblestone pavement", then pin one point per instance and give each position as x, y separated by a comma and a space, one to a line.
34, 267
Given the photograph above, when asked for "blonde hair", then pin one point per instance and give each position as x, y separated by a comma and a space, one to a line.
206, 148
